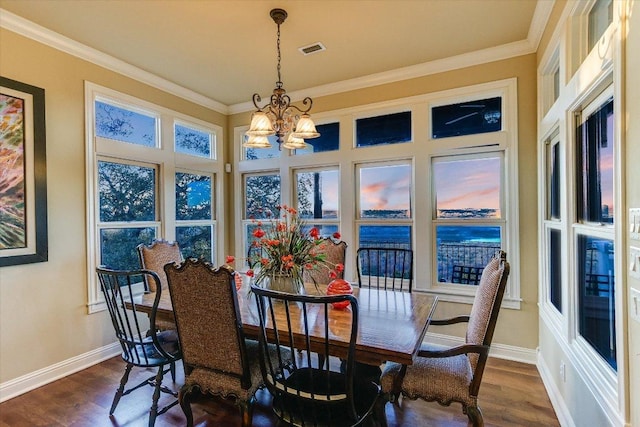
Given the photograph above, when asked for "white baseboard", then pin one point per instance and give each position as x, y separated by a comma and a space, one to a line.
562, 412
501, 351
33, 380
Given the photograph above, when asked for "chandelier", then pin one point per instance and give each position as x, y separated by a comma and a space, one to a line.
279, 117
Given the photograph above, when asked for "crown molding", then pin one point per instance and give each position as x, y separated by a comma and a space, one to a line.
539, 22
55, 40
478, 57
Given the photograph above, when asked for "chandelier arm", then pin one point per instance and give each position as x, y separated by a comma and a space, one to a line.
256, 99
305, 101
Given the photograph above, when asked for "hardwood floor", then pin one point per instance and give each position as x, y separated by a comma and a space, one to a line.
511, 394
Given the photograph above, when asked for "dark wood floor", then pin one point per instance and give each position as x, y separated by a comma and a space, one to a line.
512, 394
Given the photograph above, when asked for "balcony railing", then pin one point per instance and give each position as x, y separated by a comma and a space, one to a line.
463, 263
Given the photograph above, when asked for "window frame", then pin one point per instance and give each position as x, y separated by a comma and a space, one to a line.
162, 156
418, 152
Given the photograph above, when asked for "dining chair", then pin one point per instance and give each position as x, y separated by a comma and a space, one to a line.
335, 253
385, 268
154, 257
141, 347
306, 392
217, 359
454, 374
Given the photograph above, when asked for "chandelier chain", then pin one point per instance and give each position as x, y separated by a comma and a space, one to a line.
279, 82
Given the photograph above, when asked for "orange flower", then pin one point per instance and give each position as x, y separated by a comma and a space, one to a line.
230, 259
258, 232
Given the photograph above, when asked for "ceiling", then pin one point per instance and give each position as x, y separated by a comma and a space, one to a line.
225, 50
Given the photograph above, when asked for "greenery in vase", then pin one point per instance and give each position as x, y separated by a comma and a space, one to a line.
286, 247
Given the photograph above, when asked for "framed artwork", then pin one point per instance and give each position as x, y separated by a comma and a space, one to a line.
23, 174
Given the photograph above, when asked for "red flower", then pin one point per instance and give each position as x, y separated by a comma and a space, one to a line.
315, 233
337, 235
230, 259
339, 268
333, 274
249, 273
258, 232
281, 226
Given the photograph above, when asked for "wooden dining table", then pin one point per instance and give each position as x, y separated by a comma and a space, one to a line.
391, 326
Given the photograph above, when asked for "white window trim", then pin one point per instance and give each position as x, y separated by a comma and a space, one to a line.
586, 74
162, 156
418, 151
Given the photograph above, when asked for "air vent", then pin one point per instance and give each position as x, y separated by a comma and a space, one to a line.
312, 48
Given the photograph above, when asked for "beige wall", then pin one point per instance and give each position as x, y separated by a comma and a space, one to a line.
515, 327
43, 314
633, 189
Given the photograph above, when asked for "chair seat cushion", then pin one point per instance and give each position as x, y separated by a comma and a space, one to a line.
225, 385
444, 379
328, 405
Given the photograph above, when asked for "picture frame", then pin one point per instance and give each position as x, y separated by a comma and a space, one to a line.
23, 175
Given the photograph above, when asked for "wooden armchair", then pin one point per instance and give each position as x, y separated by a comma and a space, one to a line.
455, 374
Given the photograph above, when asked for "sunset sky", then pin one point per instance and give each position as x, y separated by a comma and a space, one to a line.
468, 184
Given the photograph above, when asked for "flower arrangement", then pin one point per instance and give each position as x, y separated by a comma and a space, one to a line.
286, 247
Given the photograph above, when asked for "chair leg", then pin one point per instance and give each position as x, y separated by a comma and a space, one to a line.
475, 416
246, 411
379, 412
153, 412
120, 390
172, 367
185, 404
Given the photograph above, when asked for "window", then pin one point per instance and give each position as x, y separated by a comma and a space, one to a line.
318, 195
144, 184
263, 153
127, 212
387, 129
468, 216
192, 141
125, 124
261, 200
553, 208
195, 227
595, 233
467, 118
595, 166
600, 16
384, 208
329, 139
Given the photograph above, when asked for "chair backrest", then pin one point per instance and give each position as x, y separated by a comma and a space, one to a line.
141, 345
335, 253
155, 256
207, 315
385, 268
303, 391
486, 306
